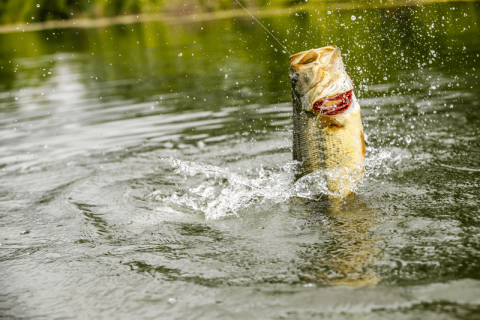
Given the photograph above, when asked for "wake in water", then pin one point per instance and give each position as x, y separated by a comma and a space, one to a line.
224, 193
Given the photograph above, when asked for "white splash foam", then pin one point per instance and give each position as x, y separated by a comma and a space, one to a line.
224, 193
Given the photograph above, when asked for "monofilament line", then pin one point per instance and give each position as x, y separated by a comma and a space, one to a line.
264, 27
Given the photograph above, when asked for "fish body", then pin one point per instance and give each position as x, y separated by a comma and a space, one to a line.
327, 126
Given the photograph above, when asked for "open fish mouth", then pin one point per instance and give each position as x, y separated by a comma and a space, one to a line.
334, 105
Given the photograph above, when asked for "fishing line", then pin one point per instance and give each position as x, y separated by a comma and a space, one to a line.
264, 27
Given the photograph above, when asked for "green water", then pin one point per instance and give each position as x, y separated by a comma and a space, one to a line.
145, 171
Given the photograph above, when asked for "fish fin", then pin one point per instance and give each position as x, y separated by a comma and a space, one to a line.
362, 139
324, 121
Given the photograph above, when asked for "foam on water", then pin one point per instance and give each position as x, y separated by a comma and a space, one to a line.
223, 193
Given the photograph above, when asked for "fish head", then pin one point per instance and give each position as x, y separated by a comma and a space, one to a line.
320, 82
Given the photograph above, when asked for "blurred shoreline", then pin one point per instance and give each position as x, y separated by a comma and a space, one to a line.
175, 18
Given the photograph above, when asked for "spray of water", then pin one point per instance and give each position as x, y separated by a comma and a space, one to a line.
222, 192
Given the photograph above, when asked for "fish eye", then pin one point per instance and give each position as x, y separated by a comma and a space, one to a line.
294, 77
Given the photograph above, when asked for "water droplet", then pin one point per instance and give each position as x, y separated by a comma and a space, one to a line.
408, 139
226, 76
180, 54
38, 6
354, 18
172, 300
329, 12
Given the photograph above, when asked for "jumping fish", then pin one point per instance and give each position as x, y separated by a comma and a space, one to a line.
327, 127
328, 138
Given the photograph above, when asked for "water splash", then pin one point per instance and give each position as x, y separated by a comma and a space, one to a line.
223, 193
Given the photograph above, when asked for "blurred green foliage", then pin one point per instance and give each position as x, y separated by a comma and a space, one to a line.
18, 11
14, 11
408, 36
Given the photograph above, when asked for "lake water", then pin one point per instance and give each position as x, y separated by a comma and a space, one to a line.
146, 171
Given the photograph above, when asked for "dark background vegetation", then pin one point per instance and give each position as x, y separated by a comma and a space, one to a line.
14, 11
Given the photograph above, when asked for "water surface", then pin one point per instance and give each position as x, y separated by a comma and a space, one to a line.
146, 171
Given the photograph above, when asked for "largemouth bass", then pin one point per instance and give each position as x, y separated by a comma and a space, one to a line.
327, 127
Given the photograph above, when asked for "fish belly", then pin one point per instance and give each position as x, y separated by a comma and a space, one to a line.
337, 151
